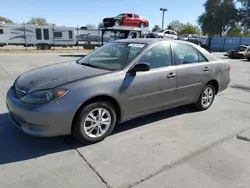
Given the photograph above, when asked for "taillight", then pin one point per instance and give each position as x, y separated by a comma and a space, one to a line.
229, 67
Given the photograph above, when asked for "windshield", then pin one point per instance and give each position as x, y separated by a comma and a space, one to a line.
113, 56
121, 15
186, 35
160, 31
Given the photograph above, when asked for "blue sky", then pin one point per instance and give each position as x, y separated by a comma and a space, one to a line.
82, 12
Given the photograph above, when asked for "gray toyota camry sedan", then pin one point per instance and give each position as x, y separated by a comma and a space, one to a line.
117, 82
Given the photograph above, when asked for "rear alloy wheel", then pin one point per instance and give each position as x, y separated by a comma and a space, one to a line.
117, 23
142, 25
95, 122
206, 97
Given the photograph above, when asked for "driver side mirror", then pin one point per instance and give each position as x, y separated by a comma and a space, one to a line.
140, 67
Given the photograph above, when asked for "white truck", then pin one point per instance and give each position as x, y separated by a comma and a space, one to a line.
43, 37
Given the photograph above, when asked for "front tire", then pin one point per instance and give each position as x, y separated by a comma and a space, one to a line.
117, 23
95, 122
206, 97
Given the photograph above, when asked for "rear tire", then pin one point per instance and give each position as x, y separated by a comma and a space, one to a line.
95, 122
206, 97
248, 59
142, 25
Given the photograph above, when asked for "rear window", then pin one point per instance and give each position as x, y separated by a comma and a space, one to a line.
172, 33
58, 34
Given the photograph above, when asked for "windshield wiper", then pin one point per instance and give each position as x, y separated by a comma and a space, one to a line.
87, 64
94, 66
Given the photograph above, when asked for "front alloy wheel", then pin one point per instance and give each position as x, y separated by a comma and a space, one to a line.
206, 98
95, 122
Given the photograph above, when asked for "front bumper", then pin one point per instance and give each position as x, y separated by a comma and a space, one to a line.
108, 22
52, 119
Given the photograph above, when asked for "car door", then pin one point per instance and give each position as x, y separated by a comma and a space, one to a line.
173, 35
166, 34
153, 89
128, 20
137, 20
193, 71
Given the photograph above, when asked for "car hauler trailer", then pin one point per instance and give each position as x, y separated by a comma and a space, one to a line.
90, 36
41, 36
123, 32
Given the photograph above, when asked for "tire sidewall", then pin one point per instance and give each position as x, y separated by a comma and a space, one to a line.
79, 131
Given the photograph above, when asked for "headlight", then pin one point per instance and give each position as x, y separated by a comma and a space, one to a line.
45, 96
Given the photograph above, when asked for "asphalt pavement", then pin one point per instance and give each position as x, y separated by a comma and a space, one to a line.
172, 149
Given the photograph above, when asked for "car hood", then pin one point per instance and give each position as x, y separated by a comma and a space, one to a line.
52, 76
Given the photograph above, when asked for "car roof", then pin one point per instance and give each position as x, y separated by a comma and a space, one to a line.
149, 41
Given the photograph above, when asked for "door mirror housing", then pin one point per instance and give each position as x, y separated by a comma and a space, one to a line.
140, 67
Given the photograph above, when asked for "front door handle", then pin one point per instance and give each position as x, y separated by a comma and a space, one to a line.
206, 69
171, 75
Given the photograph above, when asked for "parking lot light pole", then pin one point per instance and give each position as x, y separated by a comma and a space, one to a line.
163, 12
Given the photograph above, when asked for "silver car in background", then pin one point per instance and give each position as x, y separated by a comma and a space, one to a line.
165, 33
119, 81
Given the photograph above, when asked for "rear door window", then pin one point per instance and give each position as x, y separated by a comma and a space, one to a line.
186, 54
129, 15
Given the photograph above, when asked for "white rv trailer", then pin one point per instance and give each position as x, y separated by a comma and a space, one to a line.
43, 37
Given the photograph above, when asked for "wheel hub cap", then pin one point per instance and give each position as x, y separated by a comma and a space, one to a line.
207, 97
97, 122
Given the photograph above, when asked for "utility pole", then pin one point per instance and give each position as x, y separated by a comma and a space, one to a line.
77, 37
25, 39
163, 12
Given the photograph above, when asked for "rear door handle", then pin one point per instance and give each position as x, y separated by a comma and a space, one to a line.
171, 75
206, 69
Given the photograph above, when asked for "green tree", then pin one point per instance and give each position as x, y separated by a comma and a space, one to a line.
38, 21
5, 20
219, 16
189, 29
155, 28
175, 25
244, 14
